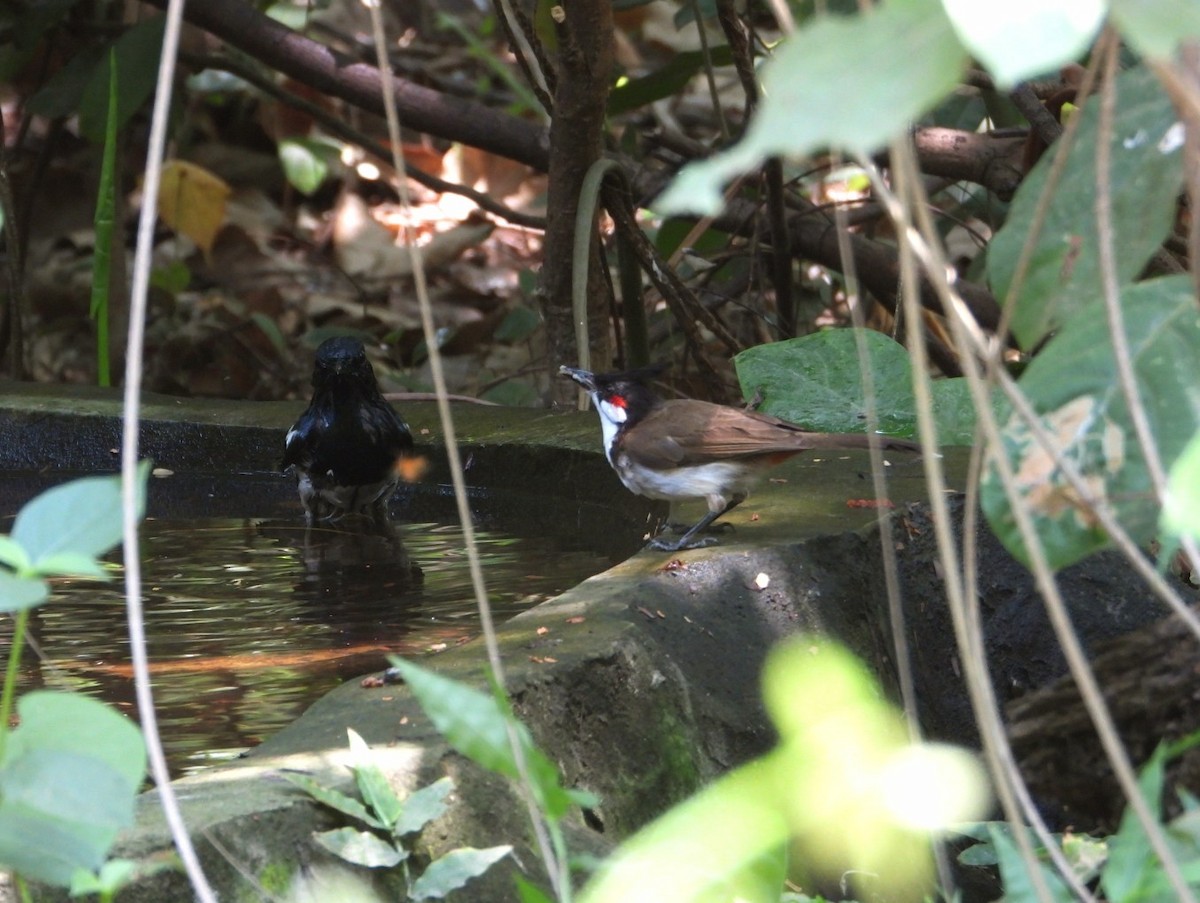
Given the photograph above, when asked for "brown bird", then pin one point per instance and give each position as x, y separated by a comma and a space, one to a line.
686, 449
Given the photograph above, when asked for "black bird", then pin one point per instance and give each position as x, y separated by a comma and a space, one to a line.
349, 448
688, 449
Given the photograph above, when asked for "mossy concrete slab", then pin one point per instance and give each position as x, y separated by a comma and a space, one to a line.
641, 683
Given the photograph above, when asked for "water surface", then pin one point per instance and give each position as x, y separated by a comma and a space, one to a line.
251, 618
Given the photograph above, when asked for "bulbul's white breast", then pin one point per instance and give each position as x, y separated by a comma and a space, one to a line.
716, 482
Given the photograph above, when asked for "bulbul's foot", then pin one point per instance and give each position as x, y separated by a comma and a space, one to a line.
719, 527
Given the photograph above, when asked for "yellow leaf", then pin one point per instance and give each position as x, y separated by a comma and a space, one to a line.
191, 200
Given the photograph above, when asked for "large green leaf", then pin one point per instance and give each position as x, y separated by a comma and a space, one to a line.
453, 870
906, 59
475, 724
1022, 38
1072, 385
82, 517
1156, 27
137, 52
816, 382
68, 780
1145, 177
708, 848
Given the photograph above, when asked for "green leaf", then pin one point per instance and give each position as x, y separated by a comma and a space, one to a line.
1132, 863
1181, 506
360, 848
875, 99
72, 564
68, 780
1086, 855
630, 94
980, 855
270, 329
137, 52
172, 277
17, 593
454, 870
1156, 27
815, 381
529, 892
376, 792
63, 93
584, 799
113, 875
1145, 177
1073, 387
305, 162
339, 802
475, 724
518, 324
423, 806
1021, 39
104, 223
953, 411
1018, 886
81, 517
680, 856
13, 555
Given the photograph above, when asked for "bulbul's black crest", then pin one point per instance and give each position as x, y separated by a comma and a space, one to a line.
349, 448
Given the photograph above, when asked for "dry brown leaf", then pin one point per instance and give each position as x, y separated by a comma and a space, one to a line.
191, 200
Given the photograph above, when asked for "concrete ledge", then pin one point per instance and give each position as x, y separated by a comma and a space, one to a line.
641, 682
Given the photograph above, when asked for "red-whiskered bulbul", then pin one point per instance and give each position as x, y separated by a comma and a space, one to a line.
687, 449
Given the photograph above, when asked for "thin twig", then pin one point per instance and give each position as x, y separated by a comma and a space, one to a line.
887, 534
979, 686
129, 455
557, 870
527, 50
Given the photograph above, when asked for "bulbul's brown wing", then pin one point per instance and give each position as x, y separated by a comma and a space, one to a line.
681, 433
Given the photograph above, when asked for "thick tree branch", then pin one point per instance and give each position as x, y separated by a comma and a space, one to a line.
814, 237
583, 69
988, 160
242, 26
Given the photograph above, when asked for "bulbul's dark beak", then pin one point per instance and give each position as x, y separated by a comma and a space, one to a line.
585, 378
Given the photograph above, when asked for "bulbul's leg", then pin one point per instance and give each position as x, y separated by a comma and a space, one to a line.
686, 542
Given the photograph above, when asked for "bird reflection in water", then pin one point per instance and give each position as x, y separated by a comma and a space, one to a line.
357, 577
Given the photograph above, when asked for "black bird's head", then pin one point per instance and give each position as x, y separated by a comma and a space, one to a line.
342, 361
622, 399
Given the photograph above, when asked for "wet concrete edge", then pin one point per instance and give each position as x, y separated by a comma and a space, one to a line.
640, 683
